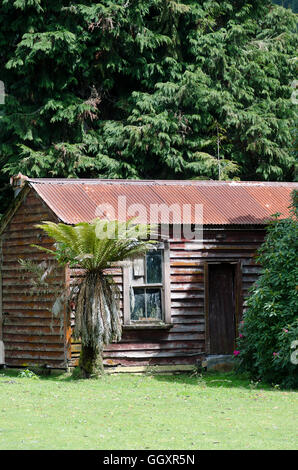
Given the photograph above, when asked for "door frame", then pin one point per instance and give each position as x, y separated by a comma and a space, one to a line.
237, 293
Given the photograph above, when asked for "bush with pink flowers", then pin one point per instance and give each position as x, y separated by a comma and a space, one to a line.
270, 326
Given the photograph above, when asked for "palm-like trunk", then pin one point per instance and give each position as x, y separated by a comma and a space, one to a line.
97, 320
90, 363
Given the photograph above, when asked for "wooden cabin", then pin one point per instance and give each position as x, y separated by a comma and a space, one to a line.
180, 304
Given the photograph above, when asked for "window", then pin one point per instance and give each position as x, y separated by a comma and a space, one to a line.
146, 288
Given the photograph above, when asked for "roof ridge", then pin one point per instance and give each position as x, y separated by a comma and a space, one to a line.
158, 182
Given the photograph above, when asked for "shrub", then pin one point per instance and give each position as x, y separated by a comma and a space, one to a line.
270, 324
28, 374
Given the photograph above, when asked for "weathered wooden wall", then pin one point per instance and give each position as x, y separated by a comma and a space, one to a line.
31, 336
185, 341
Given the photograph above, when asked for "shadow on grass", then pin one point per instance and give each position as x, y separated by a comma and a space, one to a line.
215, 380
10, 373
207, 379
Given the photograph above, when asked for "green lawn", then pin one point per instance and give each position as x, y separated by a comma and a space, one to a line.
216, 411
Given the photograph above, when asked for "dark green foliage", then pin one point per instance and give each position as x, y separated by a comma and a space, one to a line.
271, 321
147, 88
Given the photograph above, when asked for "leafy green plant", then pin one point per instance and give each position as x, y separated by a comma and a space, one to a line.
27, 373
95, 247
270, 323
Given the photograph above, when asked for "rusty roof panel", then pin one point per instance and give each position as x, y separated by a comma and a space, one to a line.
272, 198
235, 205
224, 202
69, 202
126, 200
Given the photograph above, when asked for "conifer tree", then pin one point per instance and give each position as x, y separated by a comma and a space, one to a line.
147, 88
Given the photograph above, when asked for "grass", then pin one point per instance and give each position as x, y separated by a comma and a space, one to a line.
213, 411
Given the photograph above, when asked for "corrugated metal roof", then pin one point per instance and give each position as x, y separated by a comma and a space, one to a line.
223, 202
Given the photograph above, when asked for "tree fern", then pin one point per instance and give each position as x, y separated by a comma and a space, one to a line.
95, 247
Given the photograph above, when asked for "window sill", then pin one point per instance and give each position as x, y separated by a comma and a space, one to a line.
148, 326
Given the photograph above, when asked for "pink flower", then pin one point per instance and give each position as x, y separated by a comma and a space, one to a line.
241, 335
236, 352
285, 330
275, 354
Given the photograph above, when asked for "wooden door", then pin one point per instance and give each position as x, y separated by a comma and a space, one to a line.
221, 309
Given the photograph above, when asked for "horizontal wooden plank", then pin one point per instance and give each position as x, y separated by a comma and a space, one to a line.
27, 241
187, 279
190, 345
186, 312
27, 218
18, 250
41, 347
177, 336
177, 327
22, 277
192, 255
209, 244
181, 270
14, 265
31, 330
22, 305
27, 337
186, 295
24, 321
193, 319
57, 355
20, 298
21, 233
27, 362
187, 302
208, 251
24, 212
29, 313
251, 269
32, 201
18, 291
175, 263
151, 346
187, 287
33, 256
188, 248
148, 354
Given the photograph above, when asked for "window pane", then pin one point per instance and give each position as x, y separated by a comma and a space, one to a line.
138, 304
138, 267
154, 267
153, 299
